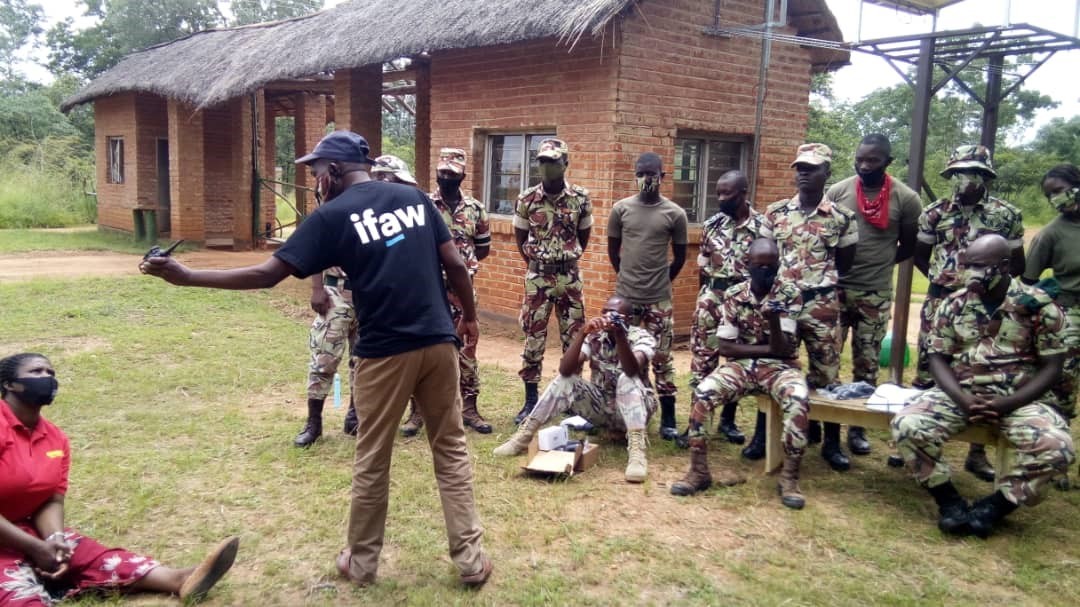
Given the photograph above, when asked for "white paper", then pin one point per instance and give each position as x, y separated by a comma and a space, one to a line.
574, 422
890, 397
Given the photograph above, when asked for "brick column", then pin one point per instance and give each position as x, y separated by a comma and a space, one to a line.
358, 103
267, 159
186, 172
422, 170
242, 150
309, 122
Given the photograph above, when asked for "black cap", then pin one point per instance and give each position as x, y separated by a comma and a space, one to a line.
345, 146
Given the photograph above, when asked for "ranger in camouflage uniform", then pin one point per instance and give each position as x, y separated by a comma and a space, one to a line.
817, 244
724, 261
640, 230
888, 215
948, 226
552, 223
995, 349
468, 222
618, 397
757, 337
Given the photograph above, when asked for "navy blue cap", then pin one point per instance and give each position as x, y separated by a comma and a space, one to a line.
345, 146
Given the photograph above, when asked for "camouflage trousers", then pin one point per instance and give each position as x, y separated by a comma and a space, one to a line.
926, 323
630, 407
865, 314
657, 319
542, 293
1039, 434
467, 365
331, 338
1065, 390
703, 340
818, 328
745, 376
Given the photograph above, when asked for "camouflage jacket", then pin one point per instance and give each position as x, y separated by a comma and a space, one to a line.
808, 242
604, 359
468, 225
553, 223
996, 353
725, 246
742, 318
949, 228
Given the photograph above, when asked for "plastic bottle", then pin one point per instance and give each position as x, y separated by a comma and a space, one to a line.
337, 391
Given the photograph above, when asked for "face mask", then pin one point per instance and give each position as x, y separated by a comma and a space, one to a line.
37, 391
762, 277
1066, 201
551, 171
981, 281
961, 182
872, 179
648, 185
448, 185
730, 206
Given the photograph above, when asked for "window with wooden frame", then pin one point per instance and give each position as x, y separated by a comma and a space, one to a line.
114, 156
510, 168
699, 163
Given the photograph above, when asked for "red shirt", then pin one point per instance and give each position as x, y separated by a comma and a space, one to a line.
34, 465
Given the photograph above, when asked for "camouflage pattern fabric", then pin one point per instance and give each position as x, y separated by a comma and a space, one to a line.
808, 241
599, 349
703, 340
469, 227
949, 228
542, 292
1065, 391
553, 222
818, 328
468, 367
329, 337
1044, 448
866, 315
742, 316
926, 323
631, 408
657, 319
994, 354
725, 246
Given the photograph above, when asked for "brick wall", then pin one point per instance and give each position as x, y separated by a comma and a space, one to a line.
151, 124
186, 160
114, 116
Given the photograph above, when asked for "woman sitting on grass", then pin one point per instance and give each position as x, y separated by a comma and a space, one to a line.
41, 561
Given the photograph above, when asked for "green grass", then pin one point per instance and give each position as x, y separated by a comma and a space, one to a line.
181, 405
87, 238
39, 198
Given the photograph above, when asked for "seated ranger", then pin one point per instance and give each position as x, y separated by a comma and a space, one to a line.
617, 397
995, 348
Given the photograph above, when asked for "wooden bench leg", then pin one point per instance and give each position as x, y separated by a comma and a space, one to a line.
774, 429
1002, 457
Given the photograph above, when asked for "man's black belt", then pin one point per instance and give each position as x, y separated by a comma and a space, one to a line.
940, 291
335, 281
555, 267
723, 284
815, 291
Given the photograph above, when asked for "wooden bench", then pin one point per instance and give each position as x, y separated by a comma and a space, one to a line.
855, 413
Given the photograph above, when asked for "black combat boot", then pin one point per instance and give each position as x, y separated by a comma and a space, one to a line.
952, 509
987, 511
351, 422
531, 396
856, 440
667, 418
727, 427
977, 464
313, 427
756, 449
831, 450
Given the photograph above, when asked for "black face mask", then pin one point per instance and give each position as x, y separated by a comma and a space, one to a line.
730, 206
872, 179
448, 185
37, 391
762, 278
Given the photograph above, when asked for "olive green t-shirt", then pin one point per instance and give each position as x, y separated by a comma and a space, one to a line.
646, 231
1057, 246
875, 252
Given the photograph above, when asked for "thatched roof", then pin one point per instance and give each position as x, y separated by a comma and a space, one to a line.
212, 66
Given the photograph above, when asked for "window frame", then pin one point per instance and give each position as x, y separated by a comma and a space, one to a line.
489, 164
705, 140
114, 162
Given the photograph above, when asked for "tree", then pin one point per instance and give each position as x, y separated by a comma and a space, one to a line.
19, 23
1060, 138
124, 26
257, 11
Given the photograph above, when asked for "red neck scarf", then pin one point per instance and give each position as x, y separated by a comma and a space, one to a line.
875, 211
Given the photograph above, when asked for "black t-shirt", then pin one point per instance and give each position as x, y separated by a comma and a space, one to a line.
386, 237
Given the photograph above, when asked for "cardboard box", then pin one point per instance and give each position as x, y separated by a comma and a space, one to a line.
558, 463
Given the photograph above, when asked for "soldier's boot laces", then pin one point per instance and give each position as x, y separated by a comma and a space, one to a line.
311, 432
788, 485
519, 442
977, 464
471, 416
698, 478
637, 465
414, 424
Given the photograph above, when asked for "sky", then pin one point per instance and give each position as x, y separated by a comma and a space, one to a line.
868, 72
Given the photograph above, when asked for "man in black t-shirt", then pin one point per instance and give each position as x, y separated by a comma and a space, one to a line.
391, 242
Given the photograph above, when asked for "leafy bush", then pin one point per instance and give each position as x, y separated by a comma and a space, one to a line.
46, 184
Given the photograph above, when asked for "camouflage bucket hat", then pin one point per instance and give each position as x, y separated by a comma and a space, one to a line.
553, 148
394, 165
969, 157
452, 159
813, 153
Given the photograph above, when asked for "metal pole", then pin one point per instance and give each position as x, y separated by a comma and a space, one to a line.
993, 101
763, 77
920, 119
858, 31
255, 190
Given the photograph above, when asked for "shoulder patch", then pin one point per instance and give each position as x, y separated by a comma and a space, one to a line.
579, 190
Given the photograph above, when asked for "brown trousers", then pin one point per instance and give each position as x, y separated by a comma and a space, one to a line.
382, 387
